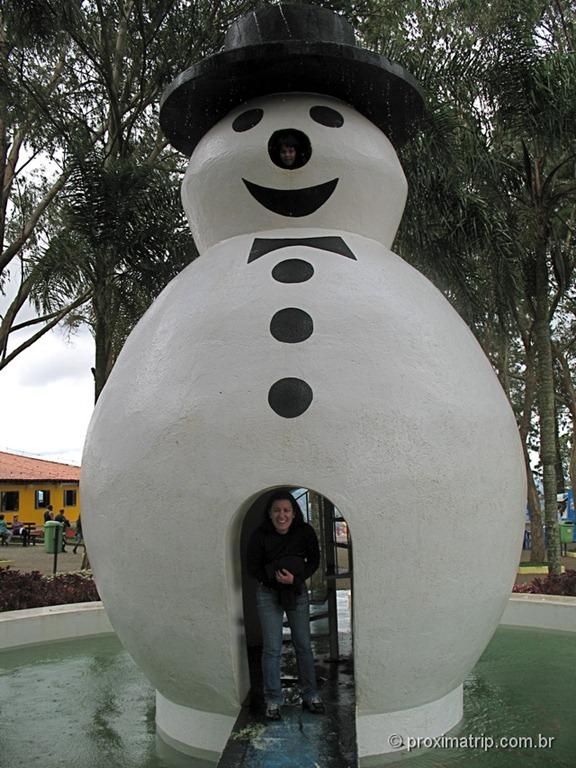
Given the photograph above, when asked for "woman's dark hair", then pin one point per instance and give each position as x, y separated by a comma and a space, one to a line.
284, 495
296, 140
289, 140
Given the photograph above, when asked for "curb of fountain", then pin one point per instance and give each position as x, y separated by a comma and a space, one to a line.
551, 612
35, 626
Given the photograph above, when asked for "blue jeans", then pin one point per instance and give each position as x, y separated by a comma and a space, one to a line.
271, 614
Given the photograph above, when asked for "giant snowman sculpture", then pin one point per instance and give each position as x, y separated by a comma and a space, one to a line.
299, 350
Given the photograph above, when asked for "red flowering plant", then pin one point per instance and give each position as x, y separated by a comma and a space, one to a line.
565, 584
33, 590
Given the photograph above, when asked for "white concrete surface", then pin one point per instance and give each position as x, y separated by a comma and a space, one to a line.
198, 733
408, 433
541, 611
369, 198
55, 622
393, 729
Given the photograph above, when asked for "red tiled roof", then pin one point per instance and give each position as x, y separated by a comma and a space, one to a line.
22, 468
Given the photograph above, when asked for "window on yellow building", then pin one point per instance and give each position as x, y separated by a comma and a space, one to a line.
10, 501
41, 499
70, 498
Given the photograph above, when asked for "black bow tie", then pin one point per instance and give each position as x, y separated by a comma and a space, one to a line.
262, 246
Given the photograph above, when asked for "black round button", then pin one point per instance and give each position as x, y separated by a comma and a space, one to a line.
290, 397
293, 271
291, 325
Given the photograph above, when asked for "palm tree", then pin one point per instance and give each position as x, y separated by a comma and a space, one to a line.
124, 237
491, 211
532, 91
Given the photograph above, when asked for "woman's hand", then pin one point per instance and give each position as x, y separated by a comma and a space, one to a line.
284, 577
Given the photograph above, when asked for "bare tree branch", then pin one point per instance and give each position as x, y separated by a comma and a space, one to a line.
7, 358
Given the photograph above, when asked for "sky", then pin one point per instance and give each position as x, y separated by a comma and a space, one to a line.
47, 396
46, 392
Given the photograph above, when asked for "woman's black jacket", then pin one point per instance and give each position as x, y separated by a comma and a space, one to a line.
296, 550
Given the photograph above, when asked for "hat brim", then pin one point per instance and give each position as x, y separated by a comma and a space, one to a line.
202, 95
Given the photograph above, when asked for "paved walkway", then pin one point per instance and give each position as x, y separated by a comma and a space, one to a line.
301, 738
36, 559
568, 562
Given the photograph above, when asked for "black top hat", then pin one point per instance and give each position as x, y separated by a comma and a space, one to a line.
282, 48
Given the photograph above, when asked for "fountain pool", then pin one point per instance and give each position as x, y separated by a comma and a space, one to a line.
83, 703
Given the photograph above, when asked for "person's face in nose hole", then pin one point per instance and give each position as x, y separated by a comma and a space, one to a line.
287, 155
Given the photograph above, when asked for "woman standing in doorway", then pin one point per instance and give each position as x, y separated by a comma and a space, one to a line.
282, 553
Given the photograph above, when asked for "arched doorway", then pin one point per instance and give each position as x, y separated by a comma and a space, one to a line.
330, 591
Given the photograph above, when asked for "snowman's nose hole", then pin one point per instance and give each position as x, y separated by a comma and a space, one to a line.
289, 149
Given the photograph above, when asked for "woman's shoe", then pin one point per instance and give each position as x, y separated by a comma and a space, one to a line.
273, 712
316, 706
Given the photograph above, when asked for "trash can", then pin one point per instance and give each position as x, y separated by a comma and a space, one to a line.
51, 531
566, 532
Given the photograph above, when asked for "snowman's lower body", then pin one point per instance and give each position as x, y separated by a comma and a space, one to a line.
408, 728
192, 731
205, 734
406, 430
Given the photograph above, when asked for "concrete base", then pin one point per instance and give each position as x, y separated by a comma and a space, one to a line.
192, 731
388, 732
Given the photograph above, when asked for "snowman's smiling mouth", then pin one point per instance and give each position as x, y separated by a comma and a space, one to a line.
292, 202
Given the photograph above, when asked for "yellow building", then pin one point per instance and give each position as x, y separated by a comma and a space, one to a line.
29, 486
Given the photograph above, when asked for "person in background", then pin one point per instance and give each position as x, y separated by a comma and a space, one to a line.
561, 513
5, 532
65, 523
78, 539
20, 530
49, 513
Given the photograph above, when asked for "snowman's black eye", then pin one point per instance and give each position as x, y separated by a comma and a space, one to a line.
327, 116
247, 120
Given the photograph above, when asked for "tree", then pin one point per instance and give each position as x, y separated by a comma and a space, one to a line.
491, 211
33, 56
534, 115
86, 91
124, 237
